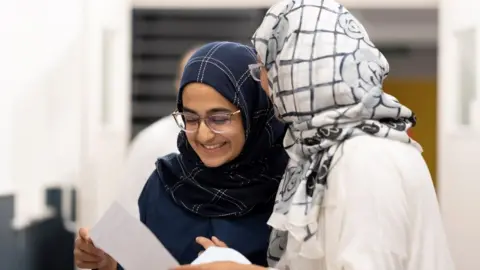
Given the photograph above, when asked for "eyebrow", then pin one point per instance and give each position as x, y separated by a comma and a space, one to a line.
213, 110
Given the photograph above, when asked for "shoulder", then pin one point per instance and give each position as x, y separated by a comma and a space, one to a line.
159, 127
376, 155
150, 187
154, 185
381, 158
373, 146
160, 134
368, 187
369, 166
377, 184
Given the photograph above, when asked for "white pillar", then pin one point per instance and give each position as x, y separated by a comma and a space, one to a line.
459, 128
6, 139
105, 106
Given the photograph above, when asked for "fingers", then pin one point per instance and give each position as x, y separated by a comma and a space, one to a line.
204, 242
84, 242
192, 267
218, 242
86, 255
223, 265
88, 247
83, 233
88, 261
87, 265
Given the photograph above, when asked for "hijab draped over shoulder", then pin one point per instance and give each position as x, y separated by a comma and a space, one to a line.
326, 81
251, 180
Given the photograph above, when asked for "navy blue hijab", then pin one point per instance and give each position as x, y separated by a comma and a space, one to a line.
250, 181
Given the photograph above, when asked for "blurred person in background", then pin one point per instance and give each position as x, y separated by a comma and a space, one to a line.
223, 181
357, 193
157, 140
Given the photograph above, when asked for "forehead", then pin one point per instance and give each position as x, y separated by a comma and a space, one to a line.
202, 99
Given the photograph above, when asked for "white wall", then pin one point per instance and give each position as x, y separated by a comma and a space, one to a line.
42, 75
458, 145
53, 133
392, 26
8, 83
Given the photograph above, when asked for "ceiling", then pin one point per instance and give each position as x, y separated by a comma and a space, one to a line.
375, 4
395, 27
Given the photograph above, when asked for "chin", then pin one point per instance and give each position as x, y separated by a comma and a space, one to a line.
214, 157
214, 162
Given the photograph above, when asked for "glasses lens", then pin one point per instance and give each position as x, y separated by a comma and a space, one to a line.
187, 121
219, 122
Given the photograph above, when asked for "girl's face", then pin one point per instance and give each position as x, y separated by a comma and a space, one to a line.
213, 125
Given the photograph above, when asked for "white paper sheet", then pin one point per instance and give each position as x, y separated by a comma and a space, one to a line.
216, 254
130, 242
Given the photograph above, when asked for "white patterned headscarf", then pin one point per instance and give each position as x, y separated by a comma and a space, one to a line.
326, 81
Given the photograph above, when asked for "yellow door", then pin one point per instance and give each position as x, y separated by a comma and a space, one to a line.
420, 95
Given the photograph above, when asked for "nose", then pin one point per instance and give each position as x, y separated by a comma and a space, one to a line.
204, 133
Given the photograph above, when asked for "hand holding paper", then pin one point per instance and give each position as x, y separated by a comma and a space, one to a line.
87, 256
130, 242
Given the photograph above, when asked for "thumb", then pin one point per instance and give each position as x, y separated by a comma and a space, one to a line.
83, 233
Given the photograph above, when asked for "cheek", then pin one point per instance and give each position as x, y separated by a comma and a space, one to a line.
237, 139
264, 82
190, 138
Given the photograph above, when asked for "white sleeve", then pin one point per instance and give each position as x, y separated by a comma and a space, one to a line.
373, 233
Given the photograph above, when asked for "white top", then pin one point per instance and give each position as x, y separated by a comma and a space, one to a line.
380, 212
155, 141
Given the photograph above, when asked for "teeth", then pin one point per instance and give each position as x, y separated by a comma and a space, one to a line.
212, 146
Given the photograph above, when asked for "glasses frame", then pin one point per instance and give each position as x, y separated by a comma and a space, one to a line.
254, 70
175, 114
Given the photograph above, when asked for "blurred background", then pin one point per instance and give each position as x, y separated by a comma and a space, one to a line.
80, 78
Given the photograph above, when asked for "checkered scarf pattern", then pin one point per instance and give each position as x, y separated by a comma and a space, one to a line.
250, 181
326, 81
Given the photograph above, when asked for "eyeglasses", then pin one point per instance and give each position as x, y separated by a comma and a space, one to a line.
255, 71
217, 122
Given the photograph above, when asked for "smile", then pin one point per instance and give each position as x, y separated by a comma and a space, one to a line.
211, 147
